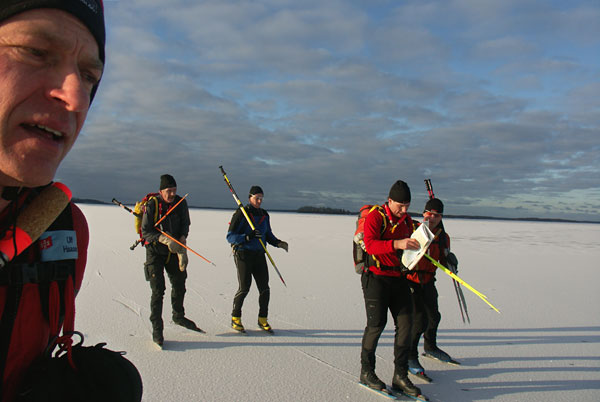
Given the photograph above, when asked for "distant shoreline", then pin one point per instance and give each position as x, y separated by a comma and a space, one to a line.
330, 211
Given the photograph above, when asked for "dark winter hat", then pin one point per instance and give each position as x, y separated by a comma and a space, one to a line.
255, 190
167, 181
435, 204
400, 192
90, 12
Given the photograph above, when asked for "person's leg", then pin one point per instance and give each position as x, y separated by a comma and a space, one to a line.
260, 273
177, 279
419, 322
376, 310
430, 298
244, 275
401, 307
155, 275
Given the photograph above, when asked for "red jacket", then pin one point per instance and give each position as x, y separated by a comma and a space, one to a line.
424, 271
31, 331
380, 245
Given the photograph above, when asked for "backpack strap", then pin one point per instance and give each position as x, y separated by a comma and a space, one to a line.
380, 209
157, 207
158, 212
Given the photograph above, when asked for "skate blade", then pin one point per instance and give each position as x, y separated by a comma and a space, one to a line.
422, 376
451, 361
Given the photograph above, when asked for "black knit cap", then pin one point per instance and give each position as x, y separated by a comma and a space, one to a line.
400, 192
90, 12
255, 190
167, 181
435, 204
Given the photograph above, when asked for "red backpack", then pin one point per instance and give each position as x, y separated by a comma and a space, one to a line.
359, 252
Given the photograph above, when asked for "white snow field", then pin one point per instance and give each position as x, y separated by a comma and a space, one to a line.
544, 346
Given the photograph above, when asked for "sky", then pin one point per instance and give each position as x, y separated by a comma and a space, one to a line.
328, 103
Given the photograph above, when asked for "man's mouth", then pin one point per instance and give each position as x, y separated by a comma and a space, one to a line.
47, 131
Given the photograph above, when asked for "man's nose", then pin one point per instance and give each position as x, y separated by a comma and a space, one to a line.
72, 91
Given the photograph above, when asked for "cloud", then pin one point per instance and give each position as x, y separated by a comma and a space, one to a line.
328, 103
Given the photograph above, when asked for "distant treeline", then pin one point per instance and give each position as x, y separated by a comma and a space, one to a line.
88, 201
339, 211
323, 210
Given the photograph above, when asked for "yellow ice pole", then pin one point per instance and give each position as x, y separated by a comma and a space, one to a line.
456, 278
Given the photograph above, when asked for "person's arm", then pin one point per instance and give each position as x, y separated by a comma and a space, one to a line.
373, 243
236, 233
185, 220
269, 236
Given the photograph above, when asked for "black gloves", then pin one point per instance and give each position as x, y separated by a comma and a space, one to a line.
255, 233
452, 262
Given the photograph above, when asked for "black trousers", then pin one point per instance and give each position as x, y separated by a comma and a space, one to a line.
251, 264
427, 317
159, 260
382, 294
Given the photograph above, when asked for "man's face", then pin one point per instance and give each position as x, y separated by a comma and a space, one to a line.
48, 66
168, 194
398, 208
433, 216
256, 200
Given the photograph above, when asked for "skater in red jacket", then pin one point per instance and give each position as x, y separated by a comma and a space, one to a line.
51, 62
425, 296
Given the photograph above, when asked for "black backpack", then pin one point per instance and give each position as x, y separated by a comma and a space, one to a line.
86, 373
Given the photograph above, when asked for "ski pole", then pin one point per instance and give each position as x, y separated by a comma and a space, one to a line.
464, 302
183, 245
119, 203
462, 282
460, 306
138, 241
126, 208
135, 244
461, 297
237, 200
172, 238
115, 201
169, 211
461, 300
429, 188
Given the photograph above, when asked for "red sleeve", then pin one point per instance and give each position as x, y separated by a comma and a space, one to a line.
373, 242
83, 238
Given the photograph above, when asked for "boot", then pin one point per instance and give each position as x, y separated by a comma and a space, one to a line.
236, 323
264, 325
157, 336
403, 384
186, 323
370, 379
438, 354
415, 367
